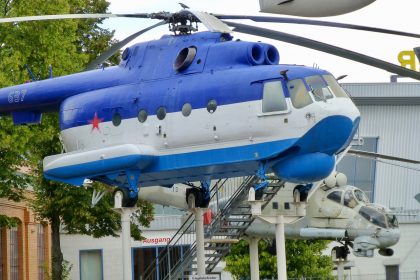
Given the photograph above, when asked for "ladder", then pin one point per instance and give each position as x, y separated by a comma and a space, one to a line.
233, 217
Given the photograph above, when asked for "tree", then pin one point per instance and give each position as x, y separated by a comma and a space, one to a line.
304, 258
67, 45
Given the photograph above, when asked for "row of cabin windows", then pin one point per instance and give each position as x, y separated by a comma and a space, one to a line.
320, 88
161, 112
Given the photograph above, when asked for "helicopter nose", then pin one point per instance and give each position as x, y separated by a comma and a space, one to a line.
330, 135
388, 237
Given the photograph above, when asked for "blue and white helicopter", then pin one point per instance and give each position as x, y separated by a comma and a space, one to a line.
192, 107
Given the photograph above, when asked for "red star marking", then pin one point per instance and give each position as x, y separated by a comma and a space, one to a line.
95, 122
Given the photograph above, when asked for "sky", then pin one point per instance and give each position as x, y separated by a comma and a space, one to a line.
398, 15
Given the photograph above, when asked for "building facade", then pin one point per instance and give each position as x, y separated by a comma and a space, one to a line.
25, 249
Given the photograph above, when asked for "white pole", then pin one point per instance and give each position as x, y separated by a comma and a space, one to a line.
253, 255
281, 249
340, 270
199, 231
126, 242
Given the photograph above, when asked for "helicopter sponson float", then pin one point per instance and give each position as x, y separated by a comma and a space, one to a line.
190, 108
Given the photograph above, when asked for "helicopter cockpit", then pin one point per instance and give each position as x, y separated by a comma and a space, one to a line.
377, 217
304, 92
352, 197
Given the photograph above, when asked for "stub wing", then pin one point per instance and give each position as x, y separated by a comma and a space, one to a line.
74, 167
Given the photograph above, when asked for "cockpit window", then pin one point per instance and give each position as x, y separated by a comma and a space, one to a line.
392, 221
349, 199
361, 196
335, 196
298, 94
373, 216
319, 88
335, 87
273, 97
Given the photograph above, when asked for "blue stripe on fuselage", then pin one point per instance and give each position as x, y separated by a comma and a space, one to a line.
226, 87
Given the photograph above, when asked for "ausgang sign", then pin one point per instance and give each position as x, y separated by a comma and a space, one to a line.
408, 59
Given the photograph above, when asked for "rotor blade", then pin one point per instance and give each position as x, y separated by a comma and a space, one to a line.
323, 47
70, 16
375, 156
318, 23
107, 54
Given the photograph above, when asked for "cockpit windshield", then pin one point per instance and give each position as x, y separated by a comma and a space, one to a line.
298, 93
373, 216
319, 88
361, 196
337, 90
392, 221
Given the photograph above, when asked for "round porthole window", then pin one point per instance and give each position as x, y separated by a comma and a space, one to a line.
212, 106
116, 119
186, 109
161, 113
142, 116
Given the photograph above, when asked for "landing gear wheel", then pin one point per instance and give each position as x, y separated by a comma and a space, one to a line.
127, 201
193, 198
340, 252
296, 195
299, 194
259, 194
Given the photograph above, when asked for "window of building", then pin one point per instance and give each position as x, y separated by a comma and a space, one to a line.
186, 109
14, 253
147, 264
392, 272
161, 113
91, 267
273, 97
142, 116
335, 196
298, 94
211, 106
41, 251
360, 171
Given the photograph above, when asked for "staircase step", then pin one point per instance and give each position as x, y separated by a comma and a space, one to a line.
238, 220
217, 248
225, 234
214, 255
234, 227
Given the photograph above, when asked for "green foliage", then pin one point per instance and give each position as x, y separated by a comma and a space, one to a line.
67, 45
304, 258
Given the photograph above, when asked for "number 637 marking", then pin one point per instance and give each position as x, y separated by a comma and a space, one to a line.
16, 96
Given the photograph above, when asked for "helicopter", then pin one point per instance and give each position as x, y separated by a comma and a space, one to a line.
312, 8
193, 107
335, 211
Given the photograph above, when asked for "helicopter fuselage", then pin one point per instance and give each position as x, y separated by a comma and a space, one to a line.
191, 108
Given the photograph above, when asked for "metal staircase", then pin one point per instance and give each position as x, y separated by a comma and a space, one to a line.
233, 217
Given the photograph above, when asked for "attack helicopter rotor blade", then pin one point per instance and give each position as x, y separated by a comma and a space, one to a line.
318, 23
114, 48
71, 16
323, 47
381, 156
